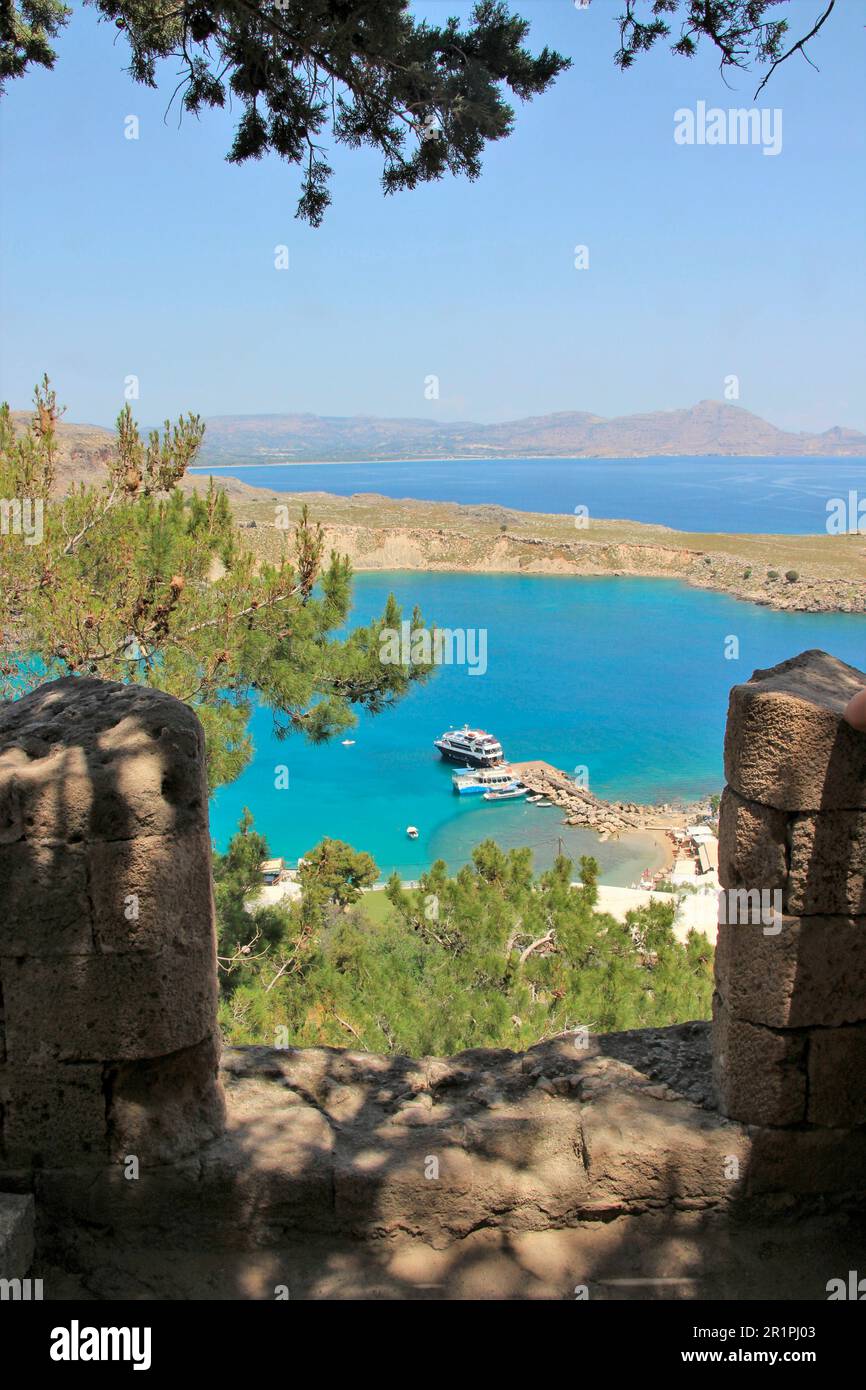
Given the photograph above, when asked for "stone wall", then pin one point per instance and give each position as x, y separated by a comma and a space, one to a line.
585, 1160
108, 1043
790, 1008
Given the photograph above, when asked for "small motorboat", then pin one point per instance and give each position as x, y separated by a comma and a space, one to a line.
348, 743
506, 794
412, 832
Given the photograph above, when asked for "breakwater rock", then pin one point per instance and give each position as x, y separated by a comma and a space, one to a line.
582, 807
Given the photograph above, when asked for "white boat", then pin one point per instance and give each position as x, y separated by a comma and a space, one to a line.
506, 794
348, 743
472, 746
472, 781
412, 832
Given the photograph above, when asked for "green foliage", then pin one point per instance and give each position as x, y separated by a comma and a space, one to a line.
426, 97
772, 574
138, 581
25, 30
237, 878
738, 29
492, 957
335, 873
792, 576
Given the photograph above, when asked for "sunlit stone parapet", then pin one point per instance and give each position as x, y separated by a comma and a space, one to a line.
107, 937
811, 972
790, 1013
816, 859
787, 745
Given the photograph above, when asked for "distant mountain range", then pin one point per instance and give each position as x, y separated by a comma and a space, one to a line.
709, 428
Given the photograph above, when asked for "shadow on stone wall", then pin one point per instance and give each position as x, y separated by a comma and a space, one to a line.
606, 1168
106, 928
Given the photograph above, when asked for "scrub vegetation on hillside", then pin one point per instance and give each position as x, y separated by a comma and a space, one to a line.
495, 956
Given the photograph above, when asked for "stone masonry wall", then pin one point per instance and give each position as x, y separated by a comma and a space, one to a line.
108, 1049
108, 1044
790, 1007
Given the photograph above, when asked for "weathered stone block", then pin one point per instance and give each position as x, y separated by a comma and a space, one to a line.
44, 907
17, 1218
837, 1076
152, 892
425, 1182
640, 1150
91, 759
827, 863
107, 942
30, 804
272, 1172
807, 1161
812, 972
53, 1116
760, 1074
787, 745
753, 844
162, 1108
113, 1007
534, 1160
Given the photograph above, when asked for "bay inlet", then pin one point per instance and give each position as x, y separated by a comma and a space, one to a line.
625, 677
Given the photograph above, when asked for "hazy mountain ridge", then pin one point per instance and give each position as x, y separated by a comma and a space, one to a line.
710, 428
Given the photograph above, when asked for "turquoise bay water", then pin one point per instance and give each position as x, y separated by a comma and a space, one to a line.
626, 677
762, 495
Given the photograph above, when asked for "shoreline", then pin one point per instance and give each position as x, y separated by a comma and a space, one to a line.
633, 840
516, 458
808, 573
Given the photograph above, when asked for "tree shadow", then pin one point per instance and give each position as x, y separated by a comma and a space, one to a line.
562, 1172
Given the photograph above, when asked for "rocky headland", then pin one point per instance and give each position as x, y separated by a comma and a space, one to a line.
795, 573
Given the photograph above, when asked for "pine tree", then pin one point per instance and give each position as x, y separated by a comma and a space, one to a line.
493, 956
134, 581
426, 97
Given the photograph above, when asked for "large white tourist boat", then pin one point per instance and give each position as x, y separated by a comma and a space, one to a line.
470, 747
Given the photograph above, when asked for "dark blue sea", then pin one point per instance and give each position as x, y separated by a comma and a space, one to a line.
760, 495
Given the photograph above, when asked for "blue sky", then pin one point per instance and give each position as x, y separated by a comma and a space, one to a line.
156, 258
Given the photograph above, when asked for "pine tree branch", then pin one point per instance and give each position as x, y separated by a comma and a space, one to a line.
794, 48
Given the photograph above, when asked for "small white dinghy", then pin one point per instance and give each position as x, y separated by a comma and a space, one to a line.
412, 832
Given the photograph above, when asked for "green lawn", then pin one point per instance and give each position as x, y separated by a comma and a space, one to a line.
375, 906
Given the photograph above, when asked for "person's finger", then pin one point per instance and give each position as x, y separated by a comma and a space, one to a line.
855, 711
